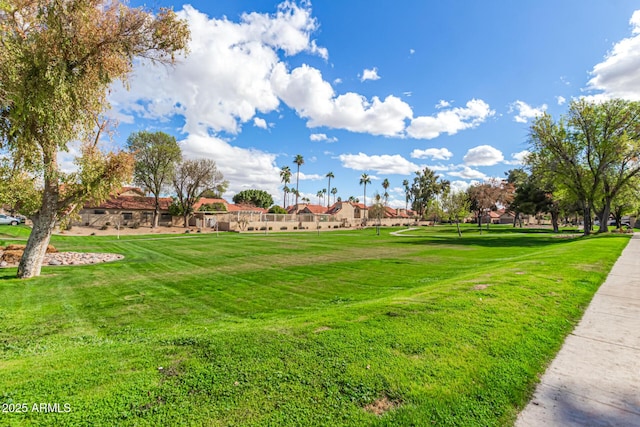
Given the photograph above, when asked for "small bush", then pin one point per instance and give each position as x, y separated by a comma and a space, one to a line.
104, 227
250, 229
263, 228
135, 225
284, 228
107, 223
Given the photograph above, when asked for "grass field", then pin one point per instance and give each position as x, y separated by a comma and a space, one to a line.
340, 328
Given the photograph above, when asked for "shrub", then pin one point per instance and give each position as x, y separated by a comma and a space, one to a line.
104, 227
250, 228
284, 228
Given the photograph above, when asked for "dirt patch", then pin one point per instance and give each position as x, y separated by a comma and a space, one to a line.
381, 406
480, 287
322, 329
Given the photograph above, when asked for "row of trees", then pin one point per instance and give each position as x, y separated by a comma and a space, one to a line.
159, 165
588, 159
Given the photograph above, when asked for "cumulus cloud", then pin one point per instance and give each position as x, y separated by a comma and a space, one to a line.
225, 80
432, 153
458, 186
304, 90
370, 74
467, 173
518, 158
443, 104
322, 137
561, 100
260, 123
526, 111
450, 121
382, 164
483, 155
243, 168
617, 76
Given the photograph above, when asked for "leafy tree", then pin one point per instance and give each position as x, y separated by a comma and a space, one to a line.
487, 196
329, 175
299, 161
592, 152
213, 207
275, 209
456, 206
257, 198
426, 186
215, 193
57, 61
377, 209
285, 177
190, 179
156, 156
364, 180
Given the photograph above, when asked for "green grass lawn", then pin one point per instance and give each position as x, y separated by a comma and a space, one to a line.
295, 329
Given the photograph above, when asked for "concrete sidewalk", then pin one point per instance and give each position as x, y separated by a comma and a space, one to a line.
595, 378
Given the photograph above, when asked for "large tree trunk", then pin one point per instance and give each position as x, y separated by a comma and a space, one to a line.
185, 218
156, 212
555, 215
43, 224
604, 217
587, 219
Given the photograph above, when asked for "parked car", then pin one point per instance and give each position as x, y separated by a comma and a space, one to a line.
8, 220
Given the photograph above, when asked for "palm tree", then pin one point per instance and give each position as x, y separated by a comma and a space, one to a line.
365, 179
285, 176
319, 194
385, 185
334, 191
299, 160
407, 192
329, 175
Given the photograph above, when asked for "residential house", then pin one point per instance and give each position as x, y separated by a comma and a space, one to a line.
129, 207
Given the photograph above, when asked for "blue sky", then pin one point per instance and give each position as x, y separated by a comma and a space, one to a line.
377, 87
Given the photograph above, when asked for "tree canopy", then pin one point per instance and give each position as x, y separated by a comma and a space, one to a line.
191, 178
57, 61
257, 198
156, 155
591, 153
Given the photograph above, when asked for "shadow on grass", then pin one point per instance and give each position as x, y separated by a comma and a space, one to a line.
502, 238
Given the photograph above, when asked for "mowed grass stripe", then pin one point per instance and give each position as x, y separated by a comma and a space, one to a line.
247, 335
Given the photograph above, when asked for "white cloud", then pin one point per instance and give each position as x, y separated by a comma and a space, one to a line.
468, 173
526, 112
617, 76
443, 104
518, 158
322, 137
561, 100
243, 168
304, 90
432, 153
412, 51
370, 74
225, 80
311, 177
459, 186
382, 164
450, 121
483, 155
260, 123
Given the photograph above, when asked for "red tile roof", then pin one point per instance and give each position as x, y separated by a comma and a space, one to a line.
133, 203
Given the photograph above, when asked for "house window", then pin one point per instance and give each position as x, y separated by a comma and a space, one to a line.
165, 217
127, 216
99, 212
